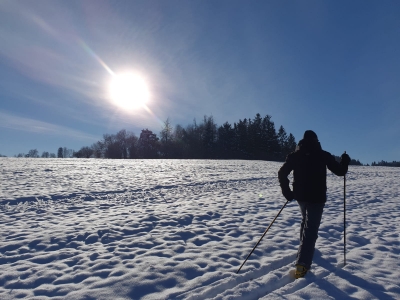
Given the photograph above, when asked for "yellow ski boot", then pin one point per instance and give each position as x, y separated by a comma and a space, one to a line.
301, 271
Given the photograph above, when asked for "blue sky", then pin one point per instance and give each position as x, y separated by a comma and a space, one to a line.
329, 66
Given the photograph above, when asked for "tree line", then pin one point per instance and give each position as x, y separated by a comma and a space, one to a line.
254, 138
353, 162
386, 164
63, 152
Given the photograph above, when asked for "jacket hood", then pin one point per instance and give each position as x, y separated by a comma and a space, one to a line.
309, 134
309, 146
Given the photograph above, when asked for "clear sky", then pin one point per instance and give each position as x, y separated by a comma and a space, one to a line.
329, 66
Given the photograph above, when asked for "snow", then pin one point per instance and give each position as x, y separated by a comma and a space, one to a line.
180, 229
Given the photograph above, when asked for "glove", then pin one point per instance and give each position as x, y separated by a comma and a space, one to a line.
345, 159
288, 194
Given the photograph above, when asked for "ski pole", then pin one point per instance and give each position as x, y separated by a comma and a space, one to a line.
344, 221
262, 236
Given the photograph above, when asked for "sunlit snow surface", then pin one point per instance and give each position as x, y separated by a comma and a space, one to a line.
179, 229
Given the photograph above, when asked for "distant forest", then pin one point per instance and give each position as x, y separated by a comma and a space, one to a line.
353, 162
255, 138
386, 164
252, 139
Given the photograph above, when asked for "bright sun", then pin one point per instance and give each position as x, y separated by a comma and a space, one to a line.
129, 91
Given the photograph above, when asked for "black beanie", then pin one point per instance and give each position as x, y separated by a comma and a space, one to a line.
309, 134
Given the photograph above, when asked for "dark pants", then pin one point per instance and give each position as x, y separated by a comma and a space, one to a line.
312, 213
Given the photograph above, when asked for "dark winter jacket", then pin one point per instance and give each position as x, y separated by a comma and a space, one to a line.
308, 164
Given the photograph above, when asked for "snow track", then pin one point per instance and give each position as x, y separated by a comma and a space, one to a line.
167, 194
251, 285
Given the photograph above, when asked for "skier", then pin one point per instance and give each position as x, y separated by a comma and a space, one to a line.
308, 163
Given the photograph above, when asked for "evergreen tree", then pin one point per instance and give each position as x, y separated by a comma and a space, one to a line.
283, 143
256, 147
291, 144
241, 136
271, 139
209, 137
226, 141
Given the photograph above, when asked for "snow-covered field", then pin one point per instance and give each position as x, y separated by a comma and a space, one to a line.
180, 229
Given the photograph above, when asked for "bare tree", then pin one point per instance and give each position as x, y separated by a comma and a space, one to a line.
111, 146
84, 152
131, 144
60, 153
121, 138
33, 153
67, 153
98, 149
166, 135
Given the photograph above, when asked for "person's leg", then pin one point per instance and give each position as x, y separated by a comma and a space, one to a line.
302, 206
309, 227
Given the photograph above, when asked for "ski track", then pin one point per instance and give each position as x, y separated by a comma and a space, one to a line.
178, 239
239, 283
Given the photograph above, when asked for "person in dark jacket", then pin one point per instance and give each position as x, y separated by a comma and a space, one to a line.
308, 163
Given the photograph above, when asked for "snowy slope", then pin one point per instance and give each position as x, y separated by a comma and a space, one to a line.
176, 229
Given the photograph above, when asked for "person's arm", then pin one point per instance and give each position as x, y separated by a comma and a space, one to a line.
339, 169
283, 173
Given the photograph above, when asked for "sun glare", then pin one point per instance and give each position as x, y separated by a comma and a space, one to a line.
129, 91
